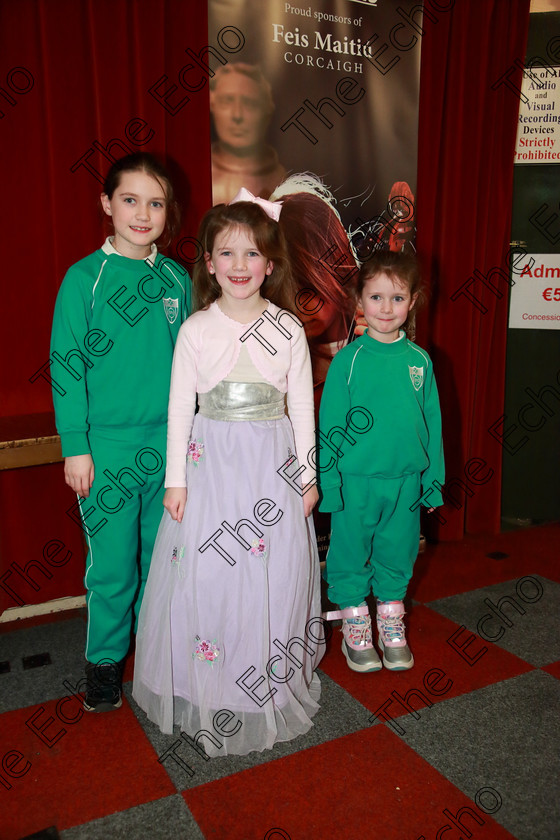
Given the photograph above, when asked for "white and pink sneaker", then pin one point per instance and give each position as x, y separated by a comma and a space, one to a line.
392, 636
357, 643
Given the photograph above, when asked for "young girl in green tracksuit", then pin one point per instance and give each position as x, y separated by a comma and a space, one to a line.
116, 320
380, 456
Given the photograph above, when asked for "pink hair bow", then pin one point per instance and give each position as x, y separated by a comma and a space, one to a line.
271, 208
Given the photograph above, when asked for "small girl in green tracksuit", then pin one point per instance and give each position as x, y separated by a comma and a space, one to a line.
116, 319
380, 456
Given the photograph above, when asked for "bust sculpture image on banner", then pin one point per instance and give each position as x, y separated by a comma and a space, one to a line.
241, 105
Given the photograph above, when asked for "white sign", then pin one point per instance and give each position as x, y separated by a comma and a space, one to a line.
538, 132
535, 295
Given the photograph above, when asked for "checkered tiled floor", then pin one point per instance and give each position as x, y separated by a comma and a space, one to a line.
464, 745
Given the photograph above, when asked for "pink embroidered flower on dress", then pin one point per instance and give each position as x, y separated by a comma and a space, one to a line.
206, 651
195, 451
176, 557
258, 547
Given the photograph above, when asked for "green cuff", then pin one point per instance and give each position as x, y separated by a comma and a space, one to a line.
434, 499
75, 443
331, 500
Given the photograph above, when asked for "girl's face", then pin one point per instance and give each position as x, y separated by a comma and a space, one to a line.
386, 305
239, 266
138, 211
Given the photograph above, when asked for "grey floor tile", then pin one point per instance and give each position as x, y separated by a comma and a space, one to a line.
339, 715
533, 636
63, 640
158, 820
507, 737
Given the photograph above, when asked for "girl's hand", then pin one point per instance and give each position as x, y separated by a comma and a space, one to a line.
310, 499
174, 501
79, 473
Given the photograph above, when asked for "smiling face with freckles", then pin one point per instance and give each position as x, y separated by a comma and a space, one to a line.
240, 269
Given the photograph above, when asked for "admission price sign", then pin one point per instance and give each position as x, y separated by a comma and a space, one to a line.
535, 297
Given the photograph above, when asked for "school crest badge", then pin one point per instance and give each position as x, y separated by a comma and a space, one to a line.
171, 309
417, 376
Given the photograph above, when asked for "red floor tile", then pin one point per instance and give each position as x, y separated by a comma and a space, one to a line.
553, 668
428, 633
100, 765
369, 784
451, 568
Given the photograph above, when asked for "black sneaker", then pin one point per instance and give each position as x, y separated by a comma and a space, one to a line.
103, 686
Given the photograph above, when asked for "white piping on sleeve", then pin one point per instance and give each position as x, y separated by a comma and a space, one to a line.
352, 365
96, 282
426, 359
152, 264
175, 276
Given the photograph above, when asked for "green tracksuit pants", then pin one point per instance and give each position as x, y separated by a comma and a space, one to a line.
374, 540
120, 518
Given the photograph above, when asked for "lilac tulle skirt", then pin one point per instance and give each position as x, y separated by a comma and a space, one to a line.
229, 631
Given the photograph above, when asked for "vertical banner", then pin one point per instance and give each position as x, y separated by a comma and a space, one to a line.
328, 88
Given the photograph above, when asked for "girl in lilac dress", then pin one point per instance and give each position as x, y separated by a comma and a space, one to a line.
230, 629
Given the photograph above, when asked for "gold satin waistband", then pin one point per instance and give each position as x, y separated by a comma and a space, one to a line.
242, 401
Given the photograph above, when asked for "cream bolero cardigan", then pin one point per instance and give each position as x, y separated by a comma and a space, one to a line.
207, 349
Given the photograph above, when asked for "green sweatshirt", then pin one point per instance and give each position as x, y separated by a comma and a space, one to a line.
114, 329
380, 417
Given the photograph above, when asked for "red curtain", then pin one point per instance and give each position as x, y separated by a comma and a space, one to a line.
80, 83
468, 119
89, 68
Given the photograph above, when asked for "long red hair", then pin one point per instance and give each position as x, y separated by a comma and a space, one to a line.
313, 230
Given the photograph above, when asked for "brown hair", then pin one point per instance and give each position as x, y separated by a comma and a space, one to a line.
147, 163
403, 270
278, 287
